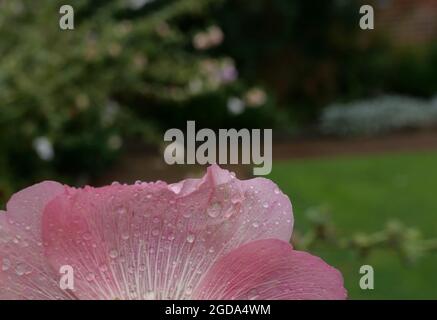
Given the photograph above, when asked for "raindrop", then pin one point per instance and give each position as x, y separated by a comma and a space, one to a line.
113, 254
253, 294
187, 214
255, 224
277, 191
103, 268
190, 238
265, 205
189, 290
155, 232
20, 269
122, 211
6, 264
90, 277
87, 236
214, 210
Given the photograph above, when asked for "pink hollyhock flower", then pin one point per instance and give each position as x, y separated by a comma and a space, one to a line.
210, 238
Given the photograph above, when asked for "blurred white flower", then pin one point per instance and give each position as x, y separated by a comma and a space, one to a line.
82, 101
228, 72
235, 105
196, 86
44, 148
115, 142
201, 41
124, 27
215, 35
255, 97
163, 29
114, 49
210, 38
140, 61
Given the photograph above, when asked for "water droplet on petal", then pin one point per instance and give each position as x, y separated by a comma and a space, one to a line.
189, 290
90, 277
87, 236
113, 254
20, 269
187, 214
6, 264
252, 294
103, 268
214, 210
191, 238
122, 211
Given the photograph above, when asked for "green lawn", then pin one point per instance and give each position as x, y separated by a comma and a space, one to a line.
363, 193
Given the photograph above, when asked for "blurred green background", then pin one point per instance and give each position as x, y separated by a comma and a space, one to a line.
354, 111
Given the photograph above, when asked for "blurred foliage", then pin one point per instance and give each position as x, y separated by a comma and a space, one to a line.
412, 71
70, 98
312, 53
405, 241
71, 101
308, 52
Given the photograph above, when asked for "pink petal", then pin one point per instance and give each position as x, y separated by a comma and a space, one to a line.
270, 270
157, 240
24, 273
